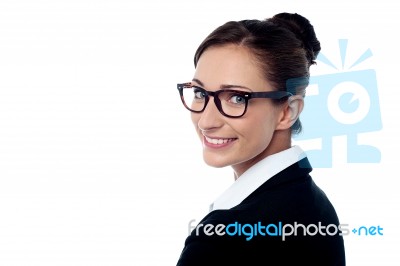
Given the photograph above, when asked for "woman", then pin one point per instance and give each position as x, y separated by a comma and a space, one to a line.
245, 100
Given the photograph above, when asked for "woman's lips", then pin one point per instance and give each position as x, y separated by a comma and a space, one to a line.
217, 142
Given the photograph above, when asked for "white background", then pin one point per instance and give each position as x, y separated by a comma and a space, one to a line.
99, 163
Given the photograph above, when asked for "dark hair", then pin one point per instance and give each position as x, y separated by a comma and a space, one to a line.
285, 46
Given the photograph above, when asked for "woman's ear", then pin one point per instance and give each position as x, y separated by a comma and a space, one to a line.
291, 112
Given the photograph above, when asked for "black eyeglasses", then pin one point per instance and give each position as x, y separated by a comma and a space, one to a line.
230, 103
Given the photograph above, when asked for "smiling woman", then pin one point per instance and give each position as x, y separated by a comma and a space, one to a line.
244, 109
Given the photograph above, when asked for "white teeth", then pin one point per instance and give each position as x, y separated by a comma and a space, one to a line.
218, 141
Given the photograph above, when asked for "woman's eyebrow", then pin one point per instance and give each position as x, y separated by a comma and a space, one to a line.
198, 82
223, 86
230, 86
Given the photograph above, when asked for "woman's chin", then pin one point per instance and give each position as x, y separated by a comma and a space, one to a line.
216, 161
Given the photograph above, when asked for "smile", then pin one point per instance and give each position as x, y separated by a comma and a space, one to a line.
216, 143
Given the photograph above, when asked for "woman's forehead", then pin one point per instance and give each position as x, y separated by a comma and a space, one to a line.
229, 64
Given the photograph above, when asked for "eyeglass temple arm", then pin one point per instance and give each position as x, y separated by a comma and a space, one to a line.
271, 94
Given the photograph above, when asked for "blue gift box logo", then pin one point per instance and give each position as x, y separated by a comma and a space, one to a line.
346, 103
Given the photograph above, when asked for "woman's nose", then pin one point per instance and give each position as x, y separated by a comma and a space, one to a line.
210, 118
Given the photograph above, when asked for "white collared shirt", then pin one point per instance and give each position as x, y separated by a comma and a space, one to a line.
255, 176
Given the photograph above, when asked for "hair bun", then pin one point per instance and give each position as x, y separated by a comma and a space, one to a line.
303, 30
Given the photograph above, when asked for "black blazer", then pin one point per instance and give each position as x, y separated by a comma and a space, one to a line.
288, 197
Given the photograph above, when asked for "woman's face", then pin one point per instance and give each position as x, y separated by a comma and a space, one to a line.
239, 142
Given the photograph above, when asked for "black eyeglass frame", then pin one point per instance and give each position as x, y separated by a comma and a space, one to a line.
276, 95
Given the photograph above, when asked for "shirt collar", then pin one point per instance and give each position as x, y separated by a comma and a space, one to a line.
255, 176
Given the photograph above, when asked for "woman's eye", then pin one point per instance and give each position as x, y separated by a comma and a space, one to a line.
237, 99
198, 94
